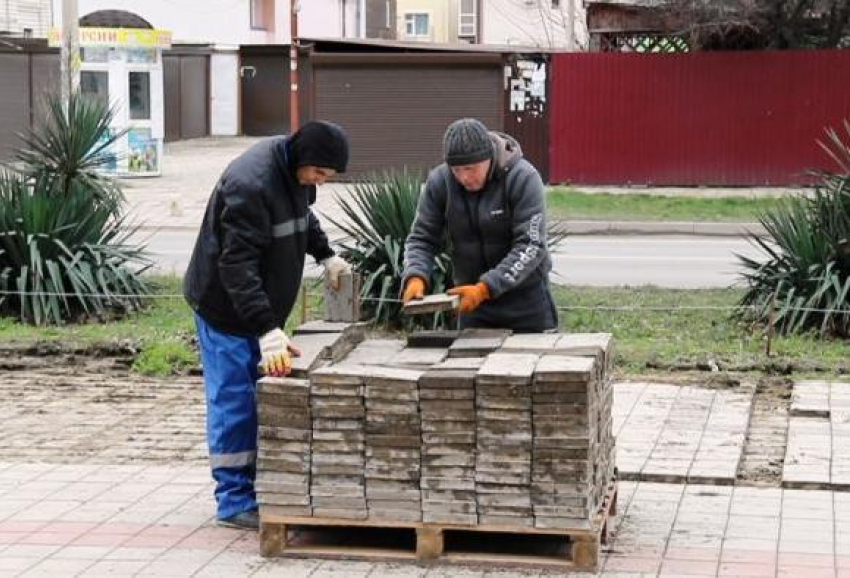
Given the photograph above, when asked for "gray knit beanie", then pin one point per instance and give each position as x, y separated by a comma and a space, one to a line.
467, 141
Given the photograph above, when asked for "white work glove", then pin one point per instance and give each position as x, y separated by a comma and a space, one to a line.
334, 267
277, 352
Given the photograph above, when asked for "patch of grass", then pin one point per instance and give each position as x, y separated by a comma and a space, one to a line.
648, 337
164, 331
164, 358
566, 203
167, 316
655, 335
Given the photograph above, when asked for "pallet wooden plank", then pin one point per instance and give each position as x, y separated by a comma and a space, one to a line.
272, 539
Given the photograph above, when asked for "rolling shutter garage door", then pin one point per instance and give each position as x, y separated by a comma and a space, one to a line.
15, 96
395, 108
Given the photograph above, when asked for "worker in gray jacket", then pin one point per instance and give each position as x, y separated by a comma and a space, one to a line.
490, 201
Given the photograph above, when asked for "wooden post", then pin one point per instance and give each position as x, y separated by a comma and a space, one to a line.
304, 296
771, 320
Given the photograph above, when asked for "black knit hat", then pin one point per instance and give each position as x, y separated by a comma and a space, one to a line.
320, 144
467, 141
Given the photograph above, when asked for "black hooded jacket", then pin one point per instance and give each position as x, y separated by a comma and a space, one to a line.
248, 261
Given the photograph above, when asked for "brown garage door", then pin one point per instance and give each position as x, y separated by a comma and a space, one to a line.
45, 81
396, 107
264, 72
15, 96
187, 95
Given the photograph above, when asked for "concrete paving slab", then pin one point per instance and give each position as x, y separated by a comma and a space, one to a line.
678, 434
818, 449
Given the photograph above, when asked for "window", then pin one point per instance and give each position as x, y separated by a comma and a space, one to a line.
416, 24
140, 96
258, 14
466, 19
556, 3
95, 85
98, 54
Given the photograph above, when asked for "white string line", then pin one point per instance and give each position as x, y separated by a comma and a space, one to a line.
618, 308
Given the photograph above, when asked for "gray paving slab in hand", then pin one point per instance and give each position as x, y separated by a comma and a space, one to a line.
314, 347
818, 450
432, 304
679, 433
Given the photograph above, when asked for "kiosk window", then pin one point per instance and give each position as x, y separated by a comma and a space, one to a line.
140, 96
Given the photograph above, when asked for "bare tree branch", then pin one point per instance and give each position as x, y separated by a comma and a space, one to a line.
748, 24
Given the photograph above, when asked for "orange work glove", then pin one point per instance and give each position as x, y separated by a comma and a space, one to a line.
414, 289
471, 296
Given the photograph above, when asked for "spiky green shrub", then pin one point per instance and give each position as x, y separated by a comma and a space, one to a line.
378, 217
803, 282
65, 250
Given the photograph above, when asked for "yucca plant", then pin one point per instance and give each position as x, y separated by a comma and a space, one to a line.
379, 214
69, 148
65, 249
804, 281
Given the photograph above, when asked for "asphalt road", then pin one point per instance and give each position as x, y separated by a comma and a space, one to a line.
684, 261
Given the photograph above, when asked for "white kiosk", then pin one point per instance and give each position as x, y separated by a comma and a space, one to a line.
123, 67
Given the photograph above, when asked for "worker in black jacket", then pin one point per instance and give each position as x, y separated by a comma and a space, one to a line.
242, 283
491, 202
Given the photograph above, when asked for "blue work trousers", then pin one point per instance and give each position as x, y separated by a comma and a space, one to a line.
230, 380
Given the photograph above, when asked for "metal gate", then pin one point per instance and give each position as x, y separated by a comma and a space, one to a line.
396, 107
186, 80
709, 118
264, 73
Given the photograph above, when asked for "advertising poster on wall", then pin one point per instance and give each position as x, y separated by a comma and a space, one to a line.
142, 151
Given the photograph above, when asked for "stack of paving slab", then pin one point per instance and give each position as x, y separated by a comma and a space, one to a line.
393, 442
285, 435
496, 429
447, 406
337, 482
503, 429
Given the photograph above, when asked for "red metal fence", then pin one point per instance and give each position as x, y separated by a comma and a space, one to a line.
714, 118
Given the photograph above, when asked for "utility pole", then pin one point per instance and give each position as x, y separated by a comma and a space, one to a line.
571, 24
294, 117
70, 49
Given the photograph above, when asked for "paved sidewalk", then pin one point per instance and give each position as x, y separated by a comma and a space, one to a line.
85, 520
177, 199
104, 473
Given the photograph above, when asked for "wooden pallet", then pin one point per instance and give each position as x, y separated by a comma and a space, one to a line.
336, 538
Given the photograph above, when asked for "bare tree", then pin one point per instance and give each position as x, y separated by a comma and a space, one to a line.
755, 24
